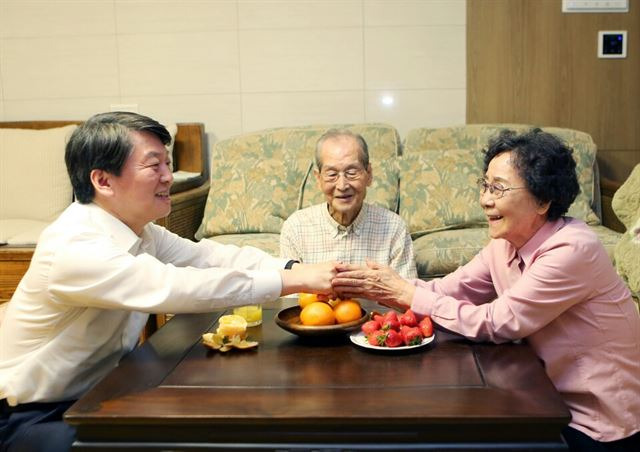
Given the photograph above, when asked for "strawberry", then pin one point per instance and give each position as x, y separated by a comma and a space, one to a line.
370, 326
412, 336
391, 325
377, 338
378, 318
391, 315
391, 321
408, 318
394, 339
426, 326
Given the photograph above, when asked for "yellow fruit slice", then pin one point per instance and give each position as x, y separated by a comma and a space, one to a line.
230, 325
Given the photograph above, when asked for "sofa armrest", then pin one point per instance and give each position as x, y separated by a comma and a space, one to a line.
608, 188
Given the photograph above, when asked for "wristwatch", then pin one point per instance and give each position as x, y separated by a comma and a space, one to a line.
289, 264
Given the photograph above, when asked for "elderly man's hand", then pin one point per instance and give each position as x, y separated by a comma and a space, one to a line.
375, 282
311, 278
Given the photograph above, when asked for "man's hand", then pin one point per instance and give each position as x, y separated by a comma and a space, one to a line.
311, 278
376, 282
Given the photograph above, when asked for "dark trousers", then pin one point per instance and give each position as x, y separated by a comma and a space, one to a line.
579, 442
34, 427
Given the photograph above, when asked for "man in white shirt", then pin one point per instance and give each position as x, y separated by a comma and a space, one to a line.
345, 228
103, 266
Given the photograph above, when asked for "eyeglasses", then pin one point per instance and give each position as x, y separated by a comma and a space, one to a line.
495, 189
352, 174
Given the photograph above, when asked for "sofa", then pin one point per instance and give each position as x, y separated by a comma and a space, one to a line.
626, 205
35, 187
429, 178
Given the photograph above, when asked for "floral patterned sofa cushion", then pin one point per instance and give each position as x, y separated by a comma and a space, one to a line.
438, 190
626, 205
257, 178
475, 137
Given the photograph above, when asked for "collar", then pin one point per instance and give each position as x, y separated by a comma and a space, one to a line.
526, 252
121, 234
336, 229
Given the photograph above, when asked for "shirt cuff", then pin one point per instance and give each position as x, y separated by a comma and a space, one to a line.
423, 301
267, 285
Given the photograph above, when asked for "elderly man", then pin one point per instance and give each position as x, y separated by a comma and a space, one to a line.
345, 228
102, 266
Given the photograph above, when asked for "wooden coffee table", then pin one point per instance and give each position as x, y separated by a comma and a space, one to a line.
290, 394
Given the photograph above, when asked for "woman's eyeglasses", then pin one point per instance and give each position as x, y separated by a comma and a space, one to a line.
495, 189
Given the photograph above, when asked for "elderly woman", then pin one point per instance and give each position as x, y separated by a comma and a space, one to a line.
543, 277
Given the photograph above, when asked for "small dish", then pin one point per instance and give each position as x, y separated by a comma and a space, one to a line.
289, 319
360, 340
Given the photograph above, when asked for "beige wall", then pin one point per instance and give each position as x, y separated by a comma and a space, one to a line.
236, 65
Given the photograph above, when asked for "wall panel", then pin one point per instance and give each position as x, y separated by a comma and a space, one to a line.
530, 63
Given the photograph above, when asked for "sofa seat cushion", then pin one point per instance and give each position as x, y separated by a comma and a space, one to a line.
442, 252
267, 242
21, 232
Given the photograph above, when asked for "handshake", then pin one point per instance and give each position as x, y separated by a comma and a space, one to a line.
331, 280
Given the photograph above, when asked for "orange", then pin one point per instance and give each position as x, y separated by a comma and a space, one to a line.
316, 314
347, 311
306, 298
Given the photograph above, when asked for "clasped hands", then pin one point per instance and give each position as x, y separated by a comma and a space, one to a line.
373, 281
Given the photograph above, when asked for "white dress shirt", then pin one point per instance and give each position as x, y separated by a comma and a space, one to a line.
88, 291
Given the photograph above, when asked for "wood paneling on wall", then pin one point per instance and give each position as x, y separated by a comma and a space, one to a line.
527, 62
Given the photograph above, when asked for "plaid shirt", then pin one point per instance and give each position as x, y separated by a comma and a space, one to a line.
311, 236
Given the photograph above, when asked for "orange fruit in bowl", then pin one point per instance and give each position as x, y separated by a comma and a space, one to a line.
306, 298
347, 311
317, 313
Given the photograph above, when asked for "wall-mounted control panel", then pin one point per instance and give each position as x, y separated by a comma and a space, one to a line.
612, 44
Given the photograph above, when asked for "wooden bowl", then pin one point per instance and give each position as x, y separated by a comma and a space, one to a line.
289, 320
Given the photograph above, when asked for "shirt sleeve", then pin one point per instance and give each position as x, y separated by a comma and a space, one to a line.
94, 272
463, 302
402, 259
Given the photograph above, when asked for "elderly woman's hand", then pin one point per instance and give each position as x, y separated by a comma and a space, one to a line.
376, 282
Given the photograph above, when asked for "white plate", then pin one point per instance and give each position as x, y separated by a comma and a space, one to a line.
360, 340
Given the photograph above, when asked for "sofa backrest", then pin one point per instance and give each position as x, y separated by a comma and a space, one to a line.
259, 179
449, 161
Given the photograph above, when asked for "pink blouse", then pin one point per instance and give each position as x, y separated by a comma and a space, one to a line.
561, 293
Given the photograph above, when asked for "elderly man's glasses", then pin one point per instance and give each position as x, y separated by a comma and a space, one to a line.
495, 189
352, 174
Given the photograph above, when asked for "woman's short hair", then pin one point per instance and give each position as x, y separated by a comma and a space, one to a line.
544, 162
103, 142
